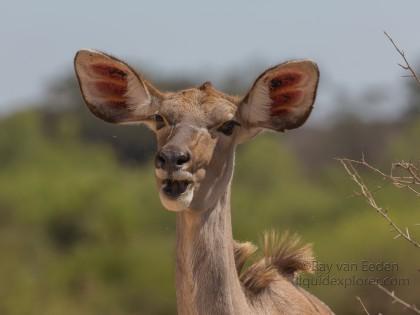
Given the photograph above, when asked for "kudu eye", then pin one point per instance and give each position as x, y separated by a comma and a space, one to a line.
160, 121
228, 127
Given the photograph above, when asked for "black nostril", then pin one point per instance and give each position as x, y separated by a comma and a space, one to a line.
171, 159
182, 158
160, 160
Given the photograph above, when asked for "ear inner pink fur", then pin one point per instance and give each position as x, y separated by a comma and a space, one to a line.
285, 100
116, 103
283, 94
282, 111
105, 70
109, 88
109, 83
285, 80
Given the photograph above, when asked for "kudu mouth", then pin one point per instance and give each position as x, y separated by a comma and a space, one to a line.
176, 189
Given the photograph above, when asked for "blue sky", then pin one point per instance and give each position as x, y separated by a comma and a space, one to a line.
39, 39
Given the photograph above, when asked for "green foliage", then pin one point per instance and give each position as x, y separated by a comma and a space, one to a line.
80, 233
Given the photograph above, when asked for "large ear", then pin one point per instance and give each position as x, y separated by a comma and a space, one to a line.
282, 97
112, 90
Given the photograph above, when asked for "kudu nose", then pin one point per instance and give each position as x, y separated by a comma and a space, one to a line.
171, 159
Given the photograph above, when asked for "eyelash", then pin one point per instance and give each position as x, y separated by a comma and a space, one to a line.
160, 121
228, 127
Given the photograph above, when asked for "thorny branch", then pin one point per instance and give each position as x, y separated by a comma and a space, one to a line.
406, 66
409, 181
396, 299
412, 179
365, 192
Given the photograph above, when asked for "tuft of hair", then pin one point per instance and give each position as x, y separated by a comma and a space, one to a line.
282, 255
258, 276
287, 255
242, 252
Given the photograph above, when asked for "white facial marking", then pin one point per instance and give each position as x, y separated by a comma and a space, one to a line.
177, 175
183, 201
179, 204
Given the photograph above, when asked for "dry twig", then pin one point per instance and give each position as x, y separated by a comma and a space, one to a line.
365, 192
363, 305
412, 179
406, 66
396, 299
409, 181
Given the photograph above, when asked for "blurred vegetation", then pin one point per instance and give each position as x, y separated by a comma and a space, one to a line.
82, 230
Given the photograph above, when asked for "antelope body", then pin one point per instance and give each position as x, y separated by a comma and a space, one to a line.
197, 132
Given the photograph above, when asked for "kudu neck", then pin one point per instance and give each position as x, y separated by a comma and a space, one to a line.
206, 277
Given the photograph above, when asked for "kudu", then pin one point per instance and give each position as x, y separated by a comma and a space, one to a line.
197, 132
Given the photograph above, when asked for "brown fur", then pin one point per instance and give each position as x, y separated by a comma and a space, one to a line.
211, 277
242, 252
281, 255
287, 255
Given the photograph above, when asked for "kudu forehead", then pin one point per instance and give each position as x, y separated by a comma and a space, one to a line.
198, 107
183, 135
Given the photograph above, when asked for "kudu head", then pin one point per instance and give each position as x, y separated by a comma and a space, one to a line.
197, 129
